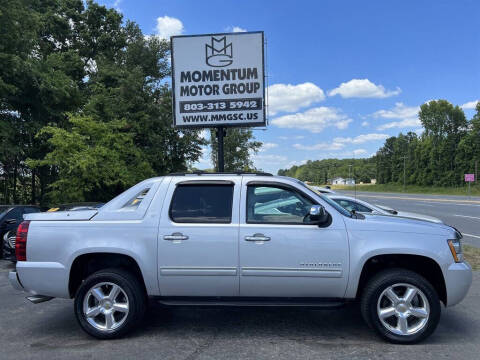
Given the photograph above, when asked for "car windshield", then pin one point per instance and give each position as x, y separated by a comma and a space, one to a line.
330, 202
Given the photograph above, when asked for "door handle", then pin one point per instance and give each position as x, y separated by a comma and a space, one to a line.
175, 236
257, 237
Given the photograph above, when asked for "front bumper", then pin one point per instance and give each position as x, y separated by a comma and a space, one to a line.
15, 281
458, 280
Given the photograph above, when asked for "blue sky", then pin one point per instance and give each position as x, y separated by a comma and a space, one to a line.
343, 75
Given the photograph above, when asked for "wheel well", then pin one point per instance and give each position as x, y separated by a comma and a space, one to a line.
85, 265
422, 265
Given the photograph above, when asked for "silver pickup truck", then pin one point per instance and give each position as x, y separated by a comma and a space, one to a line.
239, 239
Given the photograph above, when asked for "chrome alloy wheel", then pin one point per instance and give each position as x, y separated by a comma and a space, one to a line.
403, 309
105, 306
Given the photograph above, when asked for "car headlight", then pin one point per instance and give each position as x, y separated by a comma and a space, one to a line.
455, 246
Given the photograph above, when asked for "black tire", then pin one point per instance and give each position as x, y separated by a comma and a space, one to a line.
382, 281
133, 290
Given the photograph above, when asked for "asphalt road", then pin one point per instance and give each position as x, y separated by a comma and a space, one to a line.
49, 331
462, 212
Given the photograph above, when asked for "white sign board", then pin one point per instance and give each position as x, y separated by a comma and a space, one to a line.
218, 80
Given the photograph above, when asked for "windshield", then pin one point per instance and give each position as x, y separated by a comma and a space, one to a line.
330, 202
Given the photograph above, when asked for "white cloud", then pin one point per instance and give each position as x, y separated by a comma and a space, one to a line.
358, 152
267, 146
204, 161
362, 88
400, 111
297, 137
116, 5
340, 142
400, 124
314, 120
205, 134
360, 139
407, 116
362, 153
168, 26
470, 105
365, 123
320, 146
269, 159
295, 163
238, 29
290, 98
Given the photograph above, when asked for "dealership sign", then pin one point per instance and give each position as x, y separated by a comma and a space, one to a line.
218, 80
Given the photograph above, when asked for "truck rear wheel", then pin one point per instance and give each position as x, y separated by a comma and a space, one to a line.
109, 303
401, 306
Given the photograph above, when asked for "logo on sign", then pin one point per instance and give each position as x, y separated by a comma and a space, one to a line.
218, 53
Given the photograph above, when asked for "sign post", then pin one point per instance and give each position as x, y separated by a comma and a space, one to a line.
218, 81
469, 178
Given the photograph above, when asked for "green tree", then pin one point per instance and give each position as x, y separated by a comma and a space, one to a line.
70, 56
446, 125
239, 147
95, 159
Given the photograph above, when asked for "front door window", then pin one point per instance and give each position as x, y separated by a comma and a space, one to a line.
276, 205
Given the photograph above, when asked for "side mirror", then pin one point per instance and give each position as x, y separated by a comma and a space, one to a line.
11, 221
318, 214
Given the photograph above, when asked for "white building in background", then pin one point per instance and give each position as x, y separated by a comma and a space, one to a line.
343, 181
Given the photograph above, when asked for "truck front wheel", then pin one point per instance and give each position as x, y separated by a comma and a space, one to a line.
401, 306
109, 303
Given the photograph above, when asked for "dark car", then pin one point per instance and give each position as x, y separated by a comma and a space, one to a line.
10, 217
9, 239
77, 206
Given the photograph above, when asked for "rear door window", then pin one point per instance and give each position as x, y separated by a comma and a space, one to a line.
202, 203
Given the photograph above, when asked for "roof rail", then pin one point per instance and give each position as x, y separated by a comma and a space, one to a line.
220, 173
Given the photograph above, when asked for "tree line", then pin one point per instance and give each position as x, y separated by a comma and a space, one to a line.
448, 147
324, 171
85, 104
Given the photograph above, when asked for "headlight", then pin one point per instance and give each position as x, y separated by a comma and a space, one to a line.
455, 246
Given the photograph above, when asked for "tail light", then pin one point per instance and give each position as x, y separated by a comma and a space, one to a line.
21, 241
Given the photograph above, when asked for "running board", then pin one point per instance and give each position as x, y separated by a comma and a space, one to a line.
314, 303
37, 299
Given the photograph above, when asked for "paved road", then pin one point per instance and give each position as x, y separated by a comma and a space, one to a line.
463, 212
49, 331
